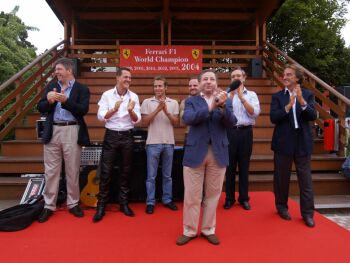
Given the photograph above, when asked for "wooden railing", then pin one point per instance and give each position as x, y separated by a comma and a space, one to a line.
273, 63
96, 57
25, 88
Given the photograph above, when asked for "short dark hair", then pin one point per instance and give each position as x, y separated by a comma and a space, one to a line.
120, 71
162, 78
299, 73
66, 62
193, 77
206, 71
240, 69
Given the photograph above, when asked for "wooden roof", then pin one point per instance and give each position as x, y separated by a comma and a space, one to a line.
147, 20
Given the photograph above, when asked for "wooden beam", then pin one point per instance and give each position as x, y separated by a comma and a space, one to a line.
267, 10
118, 15
212, 16
62, 8
216, 4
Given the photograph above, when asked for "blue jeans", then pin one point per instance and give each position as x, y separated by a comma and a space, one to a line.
154, 153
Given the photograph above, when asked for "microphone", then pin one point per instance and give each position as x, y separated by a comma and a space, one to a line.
233, 86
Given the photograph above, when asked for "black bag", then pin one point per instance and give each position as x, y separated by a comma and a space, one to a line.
20, 216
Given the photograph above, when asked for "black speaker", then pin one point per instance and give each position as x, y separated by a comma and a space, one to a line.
76, 67
256, 68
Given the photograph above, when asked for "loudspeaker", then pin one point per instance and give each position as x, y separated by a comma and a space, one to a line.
256, 68
76, 67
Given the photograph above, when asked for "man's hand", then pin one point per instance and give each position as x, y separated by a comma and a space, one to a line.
117, 105
291, 101
51, 96
222, 97
131, 105
299, 95
219, 100
60, 97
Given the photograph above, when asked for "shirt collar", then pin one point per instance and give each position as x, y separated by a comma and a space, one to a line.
70, 83
117, 94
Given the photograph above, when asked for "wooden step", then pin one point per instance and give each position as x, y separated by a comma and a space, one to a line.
173, 80
259, 163
323, 184
12, 187
96, 132
21, 164
91, 119
148, 89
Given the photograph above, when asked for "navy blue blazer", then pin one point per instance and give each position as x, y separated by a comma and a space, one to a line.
285, 139
77, 104
206, 128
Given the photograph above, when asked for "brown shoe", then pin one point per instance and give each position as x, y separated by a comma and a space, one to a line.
182, 240
212, 239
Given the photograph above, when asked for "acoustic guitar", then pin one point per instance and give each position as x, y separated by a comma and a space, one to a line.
88, 195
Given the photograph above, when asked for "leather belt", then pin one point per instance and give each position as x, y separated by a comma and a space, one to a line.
242, 127
65, 123
122, 132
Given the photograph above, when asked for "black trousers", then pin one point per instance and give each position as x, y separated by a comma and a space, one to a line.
114, 143
281, 179
240, 151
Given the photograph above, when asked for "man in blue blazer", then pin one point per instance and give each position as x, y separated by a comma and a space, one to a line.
206, 156
64, 103
292, 110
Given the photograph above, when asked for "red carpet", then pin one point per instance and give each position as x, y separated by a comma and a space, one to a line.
258, 235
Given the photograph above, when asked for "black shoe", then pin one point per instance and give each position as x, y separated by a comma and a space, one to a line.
149, 209
182, 240
100, 212
245, 205
228, 204
284, 215
76, 211
171, 206
309, 221
45, 215
126, 210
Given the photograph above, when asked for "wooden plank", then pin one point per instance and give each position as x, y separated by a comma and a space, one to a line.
209, 16
118, 15
244, 56
95, 47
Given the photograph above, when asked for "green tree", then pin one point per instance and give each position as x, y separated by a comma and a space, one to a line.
309, 32
15, 50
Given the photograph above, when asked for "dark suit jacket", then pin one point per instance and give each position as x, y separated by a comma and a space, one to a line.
285, 139
206, 128
77, 104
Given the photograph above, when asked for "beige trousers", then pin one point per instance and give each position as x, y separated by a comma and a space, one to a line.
211, 175
63, 145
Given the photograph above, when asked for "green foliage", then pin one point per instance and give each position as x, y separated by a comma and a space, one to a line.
309, 32
15, 51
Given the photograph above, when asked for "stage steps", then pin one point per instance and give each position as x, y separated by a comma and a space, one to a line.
23, 154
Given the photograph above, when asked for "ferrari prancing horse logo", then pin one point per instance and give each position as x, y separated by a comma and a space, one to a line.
126, 53
195, 53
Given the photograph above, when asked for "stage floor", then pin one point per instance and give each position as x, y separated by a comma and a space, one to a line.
258, 235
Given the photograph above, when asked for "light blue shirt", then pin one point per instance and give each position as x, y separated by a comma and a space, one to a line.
243, 117
61, 114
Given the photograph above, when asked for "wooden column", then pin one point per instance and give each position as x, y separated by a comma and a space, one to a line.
169, 32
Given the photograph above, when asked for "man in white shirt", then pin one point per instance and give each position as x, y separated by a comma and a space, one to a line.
246, 108
119, 108
160, 115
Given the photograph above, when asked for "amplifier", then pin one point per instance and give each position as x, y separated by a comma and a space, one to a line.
90, 155
40, 127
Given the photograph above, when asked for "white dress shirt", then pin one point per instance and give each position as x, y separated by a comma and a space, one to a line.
242, 115
119, 121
